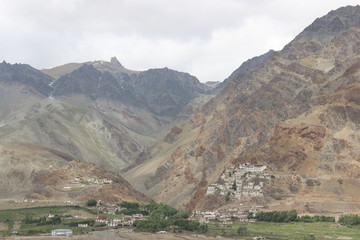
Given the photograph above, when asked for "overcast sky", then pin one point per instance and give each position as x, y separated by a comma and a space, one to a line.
206, 38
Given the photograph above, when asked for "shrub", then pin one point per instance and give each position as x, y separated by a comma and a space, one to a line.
91, 203
234, 187
242, 231
316, 218
309, 237
349, 220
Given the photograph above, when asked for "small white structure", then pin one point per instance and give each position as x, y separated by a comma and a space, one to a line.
101, 219
61, 232
83, 225
211, 189
257, 187
112, 224
108, 180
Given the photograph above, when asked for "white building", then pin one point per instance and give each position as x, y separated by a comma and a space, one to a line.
112, 224
211, 190
108, 180
61, 232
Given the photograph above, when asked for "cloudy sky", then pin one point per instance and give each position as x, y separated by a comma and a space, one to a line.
207, 38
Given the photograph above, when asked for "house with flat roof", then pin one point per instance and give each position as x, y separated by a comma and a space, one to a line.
61, 232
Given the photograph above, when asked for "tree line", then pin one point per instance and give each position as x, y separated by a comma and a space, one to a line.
289, 216
349, 220
163, 217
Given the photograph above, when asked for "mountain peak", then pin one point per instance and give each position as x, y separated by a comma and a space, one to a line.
115, 61
336, 21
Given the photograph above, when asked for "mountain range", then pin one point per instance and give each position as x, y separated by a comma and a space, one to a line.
295, 111
96, 112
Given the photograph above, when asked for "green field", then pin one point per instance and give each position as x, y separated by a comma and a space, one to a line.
291, 231
13, 220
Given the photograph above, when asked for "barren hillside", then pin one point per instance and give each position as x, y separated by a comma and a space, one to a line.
297, 114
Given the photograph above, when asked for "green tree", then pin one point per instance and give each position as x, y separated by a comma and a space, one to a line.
161, 208
91, 203
291, 216
204, 228
234, 187
349, 220
181, 215
130, 205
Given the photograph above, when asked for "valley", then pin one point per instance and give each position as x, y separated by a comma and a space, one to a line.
281, 133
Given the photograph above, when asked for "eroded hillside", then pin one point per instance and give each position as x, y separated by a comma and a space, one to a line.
297, 114
43, 175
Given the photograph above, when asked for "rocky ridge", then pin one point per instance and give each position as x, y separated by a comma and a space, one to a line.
98, 112
295, 113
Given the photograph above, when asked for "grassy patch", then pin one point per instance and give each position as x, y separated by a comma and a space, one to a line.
282, 231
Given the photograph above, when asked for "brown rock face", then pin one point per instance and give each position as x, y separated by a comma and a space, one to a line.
170, 138
297, 113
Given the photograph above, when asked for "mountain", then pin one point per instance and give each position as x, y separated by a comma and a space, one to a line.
21, 85
296, 111
114, 66
164, 92
26, 75
44, 175
89, 120
147, 102
98, 112
253, 63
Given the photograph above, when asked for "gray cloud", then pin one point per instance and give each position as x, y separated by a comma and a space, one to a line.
207, 38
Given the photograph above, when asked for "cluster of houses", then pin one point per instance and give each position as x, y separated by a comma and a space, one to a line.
80, 182
24, 201
241, 181
93, 180
226, 216
126, 221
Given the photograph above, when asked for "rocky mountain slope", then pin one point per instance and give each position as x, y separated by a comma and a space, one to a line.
34, 173
98, 112
91, 120
296, 113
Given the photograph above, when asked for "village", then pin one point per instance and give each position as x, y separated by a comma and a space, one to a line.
226, 216
109, 216
239, 183
80, 182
